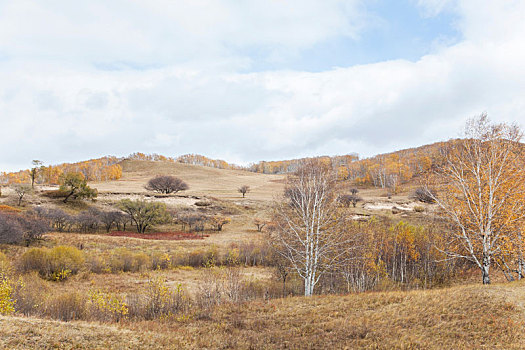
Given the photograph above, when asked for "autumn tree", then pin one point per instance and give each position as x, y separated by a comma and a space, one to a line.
144, 214
166, 184
259, 223
308, 228
481, 190
75, 185
243, 190
218, 221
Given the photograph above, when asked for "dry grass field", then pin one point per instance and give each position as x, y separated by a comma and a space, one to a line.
203, 181
459, 317
465, 317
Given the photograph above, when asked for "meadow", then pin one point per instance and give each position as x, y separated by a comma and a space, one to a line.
226, 288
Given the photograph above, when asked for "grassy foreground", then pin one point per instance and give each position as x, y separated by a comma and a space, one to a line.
464, 317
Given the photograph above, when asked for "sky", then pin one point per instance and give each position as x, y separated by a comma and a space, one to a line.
251, 80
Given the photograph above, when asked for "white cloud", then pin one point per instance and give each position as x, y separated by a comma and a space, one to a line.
56, 106
162, 32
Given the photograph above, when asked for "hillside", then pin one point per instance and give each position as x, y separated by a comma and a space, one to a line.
466, 317
212, 287
221, 183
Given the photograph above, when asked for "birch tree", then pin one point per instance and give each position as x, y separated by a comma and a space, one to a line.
308, 228
481, 190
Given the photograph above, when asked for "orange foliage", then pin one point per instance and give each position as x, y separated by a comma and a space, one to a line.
8, 209
101, 169
197, 159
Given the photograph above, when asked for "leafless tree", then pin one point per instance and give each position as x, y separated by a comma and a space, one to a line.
88, 220
424, 195
110, 218
58, 219
21, 190
193, 220
20, 228
243, 190
347, 199
259, 223
308, 227
166, 184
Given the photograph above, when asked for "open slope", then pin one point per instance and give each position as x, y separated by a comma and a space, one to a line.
465, 317
220, 183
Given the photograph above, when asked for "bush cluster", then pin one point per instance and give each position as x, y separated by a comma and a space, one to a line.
54, 264
15, 228
87, 221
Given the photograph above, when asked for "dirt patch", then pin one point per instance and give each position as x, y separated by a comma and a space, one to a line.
388, 206
168, 200
169, 236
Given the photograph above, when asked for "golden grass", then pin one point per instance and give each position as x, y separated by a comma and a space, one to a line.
129, 282
31, 333
466, 317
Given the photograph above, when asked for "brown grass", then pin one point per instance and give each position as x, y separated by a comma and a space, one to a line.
30, 333
466, 317
203, 181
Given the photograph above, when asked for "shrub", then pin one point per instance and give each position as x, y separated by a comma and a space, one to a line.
159, 301
4, 262
259, 223
106, 307
209, 293
196, 258
191, 219
7, 301
54, 264
424, 195
219, 221
64, 258
66, 306
347, 199
124, 260
30, 294
34, 259
161, 261
419, 208
251, 254
54, 194
97, 264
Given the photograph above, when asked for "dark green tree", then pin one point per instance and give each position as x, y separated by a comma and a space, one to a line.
37, 166
75, 185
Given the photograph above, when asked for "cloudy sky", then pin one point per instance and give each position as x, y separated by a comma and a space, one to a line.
247, 80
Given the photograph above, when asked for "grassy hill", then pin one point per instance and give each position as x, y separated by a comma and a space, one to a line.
465, 317
462, 316
221, 183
